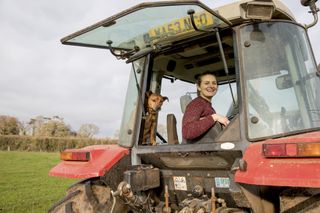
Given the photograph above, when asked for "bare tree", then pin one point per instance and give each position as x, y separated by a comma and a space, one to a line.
35, 124
88, 130
46, 126
9, 125
54, 128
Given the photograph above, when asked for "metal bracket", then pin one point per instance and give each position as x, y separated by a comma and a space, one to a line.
123, 54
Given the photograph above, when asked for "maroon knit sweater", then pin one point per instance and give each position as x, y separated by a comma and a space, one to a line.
197, 118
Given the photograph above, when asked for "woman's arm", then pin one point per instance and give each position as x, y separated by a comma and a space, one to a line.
193, 125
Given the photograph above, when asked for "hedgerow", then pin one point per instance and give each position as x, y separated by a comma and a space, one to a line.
47, 144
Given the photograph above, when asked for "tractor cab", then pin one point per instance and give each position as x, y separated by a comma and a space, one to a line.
268, 87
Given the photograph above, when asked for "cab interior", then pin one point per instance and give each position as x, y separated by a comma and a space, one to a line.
173, 72
192, 56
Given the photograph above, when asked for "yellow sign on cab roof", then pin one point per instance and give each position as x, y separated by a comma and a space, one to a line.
183, 25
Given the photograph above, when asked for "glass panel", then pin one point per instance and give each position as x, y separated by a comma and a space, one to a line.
144, 26
131, 105
282, 88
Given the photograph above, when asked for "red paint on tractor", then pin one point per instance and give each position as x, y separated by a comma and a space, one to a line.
296, 172
102, 158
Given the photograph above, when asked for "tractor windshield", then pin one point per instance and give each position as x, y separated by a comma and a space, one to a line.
281, 85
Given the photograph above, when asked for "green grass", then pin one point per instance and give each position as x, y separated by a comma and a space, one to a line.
24, 182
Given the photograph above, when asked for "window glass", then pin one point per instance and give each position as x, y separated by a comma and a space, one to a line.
282, 87
144, 25
131, 105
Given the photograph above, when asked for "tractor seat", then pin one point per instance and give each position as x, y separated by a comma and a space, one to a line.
172, 121
172, 129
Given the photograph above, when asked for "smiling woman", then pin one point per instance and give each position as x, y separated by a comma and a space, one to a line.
200, 116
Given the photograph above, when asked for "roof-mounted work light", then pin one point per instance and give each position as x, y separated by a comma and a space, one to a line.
259, 10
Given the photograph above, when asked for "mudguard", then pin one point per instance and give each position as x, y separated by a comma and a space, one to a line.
102, 158
295, 172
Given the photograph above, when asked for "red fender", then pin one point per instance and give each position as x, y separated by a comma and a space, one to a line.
102, 158
295, 172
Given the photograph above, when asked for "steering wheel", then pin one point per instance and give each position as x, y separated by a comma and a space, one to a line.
210, 135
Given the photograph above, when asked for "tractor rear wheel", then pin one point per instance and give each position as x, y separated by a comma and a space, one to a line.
91, 196
300, 200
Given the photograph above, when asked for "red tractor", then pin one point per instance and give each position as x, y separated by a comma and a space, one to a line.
266, 160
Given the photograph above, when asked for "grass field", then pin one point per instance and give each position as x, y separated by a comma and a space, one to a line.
24, 182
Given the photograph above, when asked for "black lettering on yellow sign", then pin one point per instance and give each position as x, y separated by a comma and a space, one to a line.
187, 24
178, 27
183, 25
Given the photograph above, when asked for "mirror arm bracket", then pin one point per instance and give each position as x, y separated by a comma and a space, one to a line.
123, 54
313, 9
191, 13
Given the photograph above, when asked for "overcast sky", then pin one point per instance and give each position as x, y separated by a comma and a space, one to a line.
39, 76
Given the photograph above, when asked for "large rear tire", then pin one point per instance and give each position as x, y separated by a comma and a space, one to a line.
92, 196
300, 200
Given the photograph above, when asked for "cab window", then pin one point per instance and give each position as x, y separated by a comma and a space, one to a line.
222, 102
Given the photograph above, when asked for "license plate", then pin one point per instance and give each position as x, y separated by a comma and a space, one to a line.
222, 182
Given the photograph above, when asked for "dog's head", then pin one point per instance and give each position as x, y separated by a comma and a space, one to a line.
154, 101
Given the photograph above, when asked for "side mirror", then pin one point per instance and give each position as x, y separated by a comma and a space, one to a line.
313, 9
307, 3
284, 82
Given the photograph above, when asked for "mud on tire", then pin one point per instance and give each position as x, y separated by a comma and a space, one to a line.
92, 196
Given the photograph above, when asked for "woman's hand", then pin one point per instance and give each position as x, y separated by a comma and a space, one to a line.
221, 119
